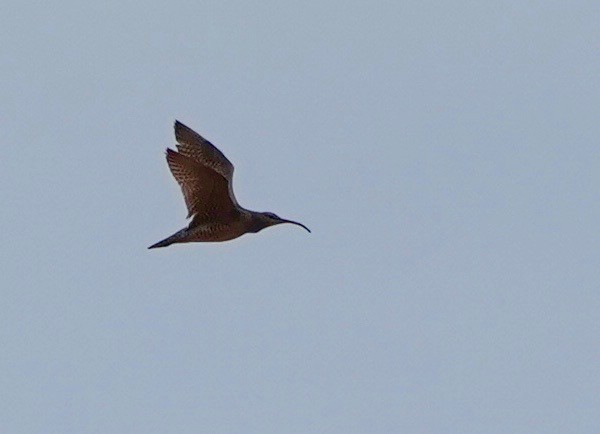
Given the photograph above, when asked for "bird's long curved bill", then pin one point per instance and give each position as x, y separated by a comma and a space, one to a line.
295, 223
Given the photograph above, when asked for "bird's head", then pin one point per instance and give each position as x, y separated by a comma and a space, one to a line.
265, 219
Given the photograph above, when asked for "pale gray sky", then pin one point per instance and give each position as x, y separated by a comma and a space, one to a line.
445, 154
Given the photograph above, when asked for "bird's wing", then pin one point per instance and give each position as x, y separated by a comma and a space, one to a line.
206, 192
193, 145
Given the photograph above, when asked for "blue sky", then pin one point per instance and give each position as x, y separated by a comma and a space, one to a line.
445, 156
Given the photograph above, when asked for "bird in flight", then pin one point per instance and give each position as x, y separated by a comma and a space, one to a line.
205, 177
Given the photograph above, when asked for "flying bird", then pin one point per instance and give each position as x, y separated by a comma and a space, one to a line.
205, 177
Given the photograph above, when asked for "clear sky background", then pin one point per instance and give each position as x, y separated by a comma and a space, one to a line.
445, 154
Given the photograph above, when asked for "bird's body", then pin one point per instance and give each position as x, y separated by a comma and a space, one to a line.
205, 176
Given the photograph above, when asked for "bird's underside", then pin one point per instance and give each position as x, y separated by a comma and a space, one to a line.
205, 177
205, 232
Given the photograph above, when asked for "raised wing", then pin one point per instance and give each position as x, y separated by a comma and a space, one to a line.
206, 192
193, 145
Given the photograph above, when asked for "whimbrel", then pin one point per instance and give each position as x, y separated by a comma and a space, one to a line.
205, 176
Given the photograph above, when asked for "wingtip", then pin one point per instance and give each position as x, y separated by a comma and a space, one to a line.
178, 126
157, 245
169, 153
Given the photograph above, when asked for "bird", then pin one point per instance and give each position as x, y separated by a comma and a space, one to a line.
205, 176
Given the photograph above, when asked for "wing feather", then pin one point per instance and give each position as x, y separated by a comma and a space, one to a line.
206, 192
193, 145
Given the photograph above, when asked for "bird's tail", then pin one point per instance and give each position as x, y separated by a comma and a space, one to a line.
177, 237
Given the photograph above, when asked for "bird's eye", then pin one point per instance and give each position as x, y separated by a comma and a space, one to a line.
272, 215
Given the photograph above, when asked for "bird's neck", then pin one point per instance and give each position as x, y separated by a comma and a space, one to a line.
257, 222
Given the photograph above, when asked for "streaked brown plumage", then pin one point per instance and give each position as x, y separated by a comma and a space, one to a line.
205, 176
